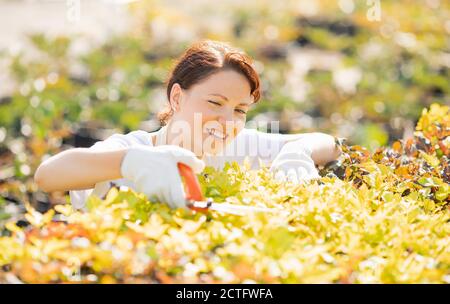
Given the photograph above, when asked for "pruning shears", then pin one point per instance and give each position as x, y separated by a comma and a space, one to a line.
195, 200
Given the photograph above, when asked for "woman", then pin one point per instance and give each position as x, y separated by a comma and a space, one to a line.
210, 91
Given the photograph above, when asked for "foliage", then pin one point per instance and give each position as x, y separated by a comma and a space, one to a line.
372, 217
322, 69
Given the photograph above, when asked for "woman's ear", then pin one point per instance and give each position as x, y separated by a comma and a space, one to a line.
175, 97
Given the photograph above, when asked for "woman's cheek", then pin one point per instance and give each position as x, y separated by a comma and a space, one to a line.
240, 124
207, 115
234, 129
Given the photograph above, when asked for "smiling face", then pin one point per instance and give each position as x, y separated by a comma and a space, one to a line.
213, 110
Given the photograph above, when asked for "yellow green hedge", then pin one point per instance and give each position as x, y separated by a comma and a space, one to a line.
373, 217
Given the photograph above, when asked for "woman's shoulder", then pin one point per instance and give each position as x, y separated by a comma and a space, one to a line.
142, 136
137, 137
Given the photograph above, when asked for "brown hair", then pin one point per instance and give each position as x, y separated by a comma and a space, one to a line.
204, 59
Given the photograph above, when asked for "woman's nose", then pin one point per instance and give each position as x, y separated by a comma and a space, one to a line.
226, 116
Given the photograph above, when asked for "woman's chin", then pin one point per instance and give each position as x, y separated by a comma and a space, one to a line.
213, 145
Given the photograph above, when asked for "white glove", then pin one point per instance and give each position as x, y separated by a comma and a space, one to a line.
154, 171
294, 163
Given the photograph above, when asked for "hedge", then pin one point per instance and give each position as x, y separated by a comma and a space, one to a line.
380, 217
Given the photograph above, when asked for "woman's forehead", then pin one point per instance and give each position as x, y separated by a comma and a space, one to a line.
227, 85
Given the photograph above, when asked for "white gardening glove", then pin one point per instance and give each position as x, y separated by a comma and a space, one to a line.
154, 171
294, 163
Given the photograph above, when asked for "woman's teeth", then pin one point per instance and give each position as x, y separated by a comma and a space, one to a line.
216, 134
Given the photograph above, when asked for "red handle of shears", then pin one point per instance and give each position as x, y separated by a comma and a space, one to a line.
192, 188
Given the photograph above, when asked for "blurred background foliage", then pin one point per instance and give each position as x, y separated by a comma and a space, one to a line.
324, 65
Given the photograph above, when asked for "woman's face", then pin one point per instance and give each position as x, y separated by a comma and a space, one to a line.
211, 113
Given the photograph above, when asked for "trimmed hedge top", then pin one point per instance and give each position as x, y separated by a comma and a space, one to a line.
372, 217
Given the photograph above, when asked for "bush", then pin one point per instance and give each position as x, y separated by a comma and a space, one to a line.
372, 217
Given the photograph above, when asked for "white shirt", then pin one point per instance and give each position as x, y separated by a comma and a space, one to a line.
258, 147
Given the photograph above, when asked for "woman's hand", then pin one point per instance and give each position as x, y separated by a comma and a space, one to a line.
294, 163
154, 171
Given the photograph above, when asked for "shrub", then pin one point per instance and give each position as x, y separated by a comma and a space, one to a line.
372, 217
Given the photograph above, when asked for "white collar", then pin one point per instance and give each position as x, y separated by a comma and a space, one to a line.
161, 136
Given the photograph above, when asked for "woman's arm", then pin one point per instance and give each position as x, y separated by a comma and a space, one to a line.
78, 169
322, 145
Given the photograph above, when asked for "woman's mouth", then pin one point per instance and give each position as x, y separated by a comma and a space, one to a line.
216, 133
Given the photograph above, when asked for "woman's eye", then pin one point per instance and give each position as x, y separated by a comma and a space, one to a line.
241, 111
214, 103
